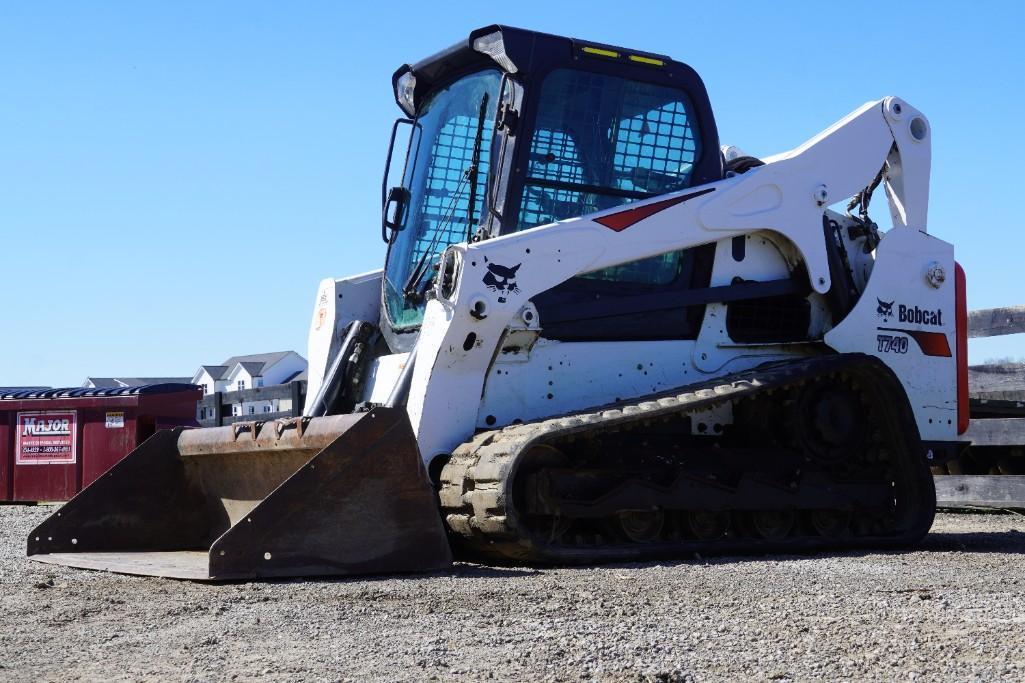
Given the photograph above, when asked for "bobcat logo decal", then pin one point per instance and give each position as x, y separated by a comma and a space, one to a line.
885, 309
501, 279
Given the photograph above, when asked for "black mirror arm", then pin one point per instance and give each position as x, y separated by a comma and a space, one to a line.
399, 198
386, 194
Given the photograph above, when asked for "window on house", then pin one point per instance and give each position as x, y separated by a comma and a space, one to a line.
235, 410
266, 409
252, 410
258, 382
241, 384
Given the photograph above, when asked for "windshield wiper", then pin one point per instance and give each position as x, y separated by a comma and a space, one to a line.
474, 169
412, 286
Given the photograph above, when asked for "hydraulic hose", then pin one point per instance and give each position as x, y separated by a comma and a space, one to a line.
334, 379
400, 392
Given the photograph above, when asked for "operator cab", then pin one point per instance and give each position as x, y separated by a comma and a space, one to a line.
513, 129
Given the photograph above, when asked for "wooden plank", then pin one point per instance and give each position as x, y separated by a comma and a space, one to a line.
1005, 431
982, 408
1005, 396
219, 403
298, 396
256, 417
278, 391
1000, 491
994, 322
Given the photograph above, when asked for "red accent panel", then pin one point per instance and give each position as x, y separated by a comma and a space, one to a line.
624, 219
931, 343
961, 342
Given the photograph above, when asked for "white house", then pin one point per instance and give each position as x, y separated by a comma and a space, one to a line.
211, 378
252, 372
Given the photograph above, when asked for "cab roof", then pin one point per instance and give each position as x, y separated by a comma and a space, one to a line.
515, 51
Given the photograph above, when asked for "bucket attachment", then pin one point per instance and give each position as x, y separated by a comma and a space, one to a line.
344, 494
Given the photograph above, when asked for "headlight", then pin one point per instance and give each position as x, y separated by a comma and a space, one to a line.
493, 46
404, 92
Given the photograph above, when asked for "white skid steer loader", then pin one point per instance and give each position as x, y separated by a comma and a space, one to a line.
597, 336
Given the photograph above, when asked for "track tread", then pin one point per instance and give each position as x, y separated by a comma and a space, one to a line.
475, 482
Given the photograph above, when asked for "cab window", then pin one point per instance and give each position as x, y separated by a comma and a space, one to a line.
600, 141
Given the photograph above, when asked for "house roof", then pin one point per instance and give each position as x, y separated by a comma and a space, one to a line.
215, 371
141, 381
115, 382
253, 363
268, 359
101, 382
254, 368
301, 376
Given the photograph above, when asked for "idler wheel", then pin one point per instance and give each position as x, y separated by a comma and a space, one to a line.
830, 423
772, 525
707, 525
641, 526
830, 523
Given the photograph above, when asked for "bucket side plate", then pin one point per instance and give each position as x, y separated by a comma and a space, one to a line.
142, 503
363, 505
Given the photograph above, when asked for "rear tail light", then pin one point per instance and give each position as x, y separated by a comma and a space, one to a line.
961, 332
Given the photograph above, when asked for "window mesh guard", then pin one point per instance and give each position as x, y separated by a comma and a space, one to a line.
655, 150
604, 132
601, 141
445, 206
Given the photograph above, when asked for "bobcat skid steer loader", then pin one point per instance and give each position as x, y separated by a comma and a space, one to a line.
597, 336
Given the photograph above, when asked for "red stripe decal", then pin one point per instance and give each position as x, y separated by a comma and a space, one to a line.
624, 219
961, 343
931, 343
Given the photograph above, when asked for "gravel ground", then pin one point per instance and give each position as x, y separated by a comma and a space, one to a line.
953, 610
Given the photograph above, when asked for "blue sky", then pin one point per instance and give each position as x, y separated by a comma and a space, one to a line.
175, 178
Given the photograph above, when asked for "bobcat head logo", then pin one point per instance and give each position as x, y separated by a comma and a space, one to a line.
885, 308
501, 278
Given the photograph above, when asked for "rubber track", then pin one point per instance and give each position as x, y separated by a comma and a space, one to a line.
476, 484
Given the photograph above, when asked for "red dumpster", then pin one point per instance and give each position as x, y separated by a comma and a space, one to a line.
54, 442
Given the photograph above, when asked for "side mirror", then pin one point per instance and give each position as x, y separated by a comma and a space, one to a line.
395, 200
394, 212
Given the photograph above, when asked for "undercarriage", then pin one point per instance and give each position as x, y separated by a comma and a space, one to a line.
818, 454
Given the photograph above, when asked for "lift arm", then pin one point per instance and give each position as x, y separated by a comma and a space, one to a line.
483, 286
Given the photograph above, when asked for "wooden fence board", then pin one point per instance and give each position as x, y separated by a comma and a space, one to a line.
993, 407
218, 404
256, 417
1006, 431
994, 322
999, 491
